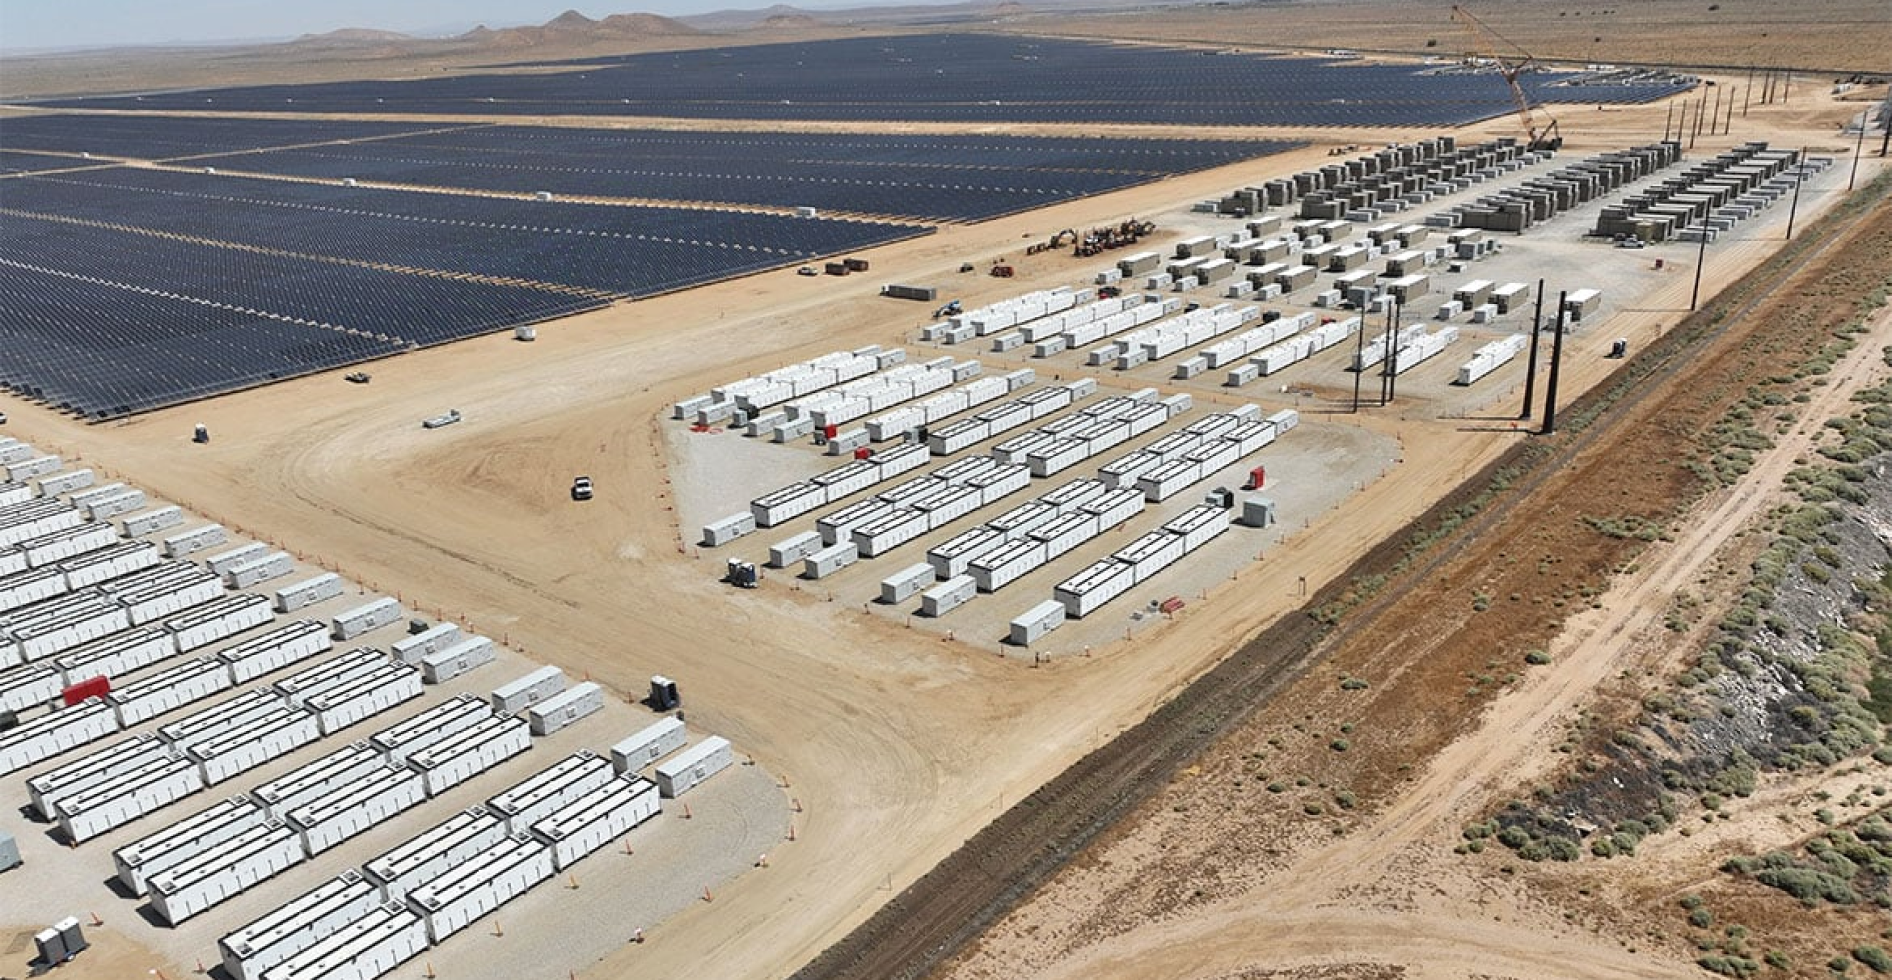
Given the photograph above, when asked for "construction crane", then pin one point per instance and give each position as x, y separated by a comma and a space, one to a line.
1510, 67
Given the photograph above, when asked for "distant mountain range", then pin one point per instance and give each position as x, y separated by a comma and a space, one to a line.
573, 29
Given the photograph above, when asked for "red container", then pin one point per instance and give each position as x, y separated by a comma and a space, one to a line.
95, 687
1170, 605
1257, 478
829, 431
863, 453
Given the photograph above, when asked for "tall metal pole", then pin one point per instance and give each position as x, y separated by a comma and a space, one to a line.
1666, 121
1747, 92
1858, 150
1714, 115
1786, 84
1530, 366
1799, 177
1359, 349
1885, 123
1387, 353
1701, 258
1392, 373
1727, 121
1556, 364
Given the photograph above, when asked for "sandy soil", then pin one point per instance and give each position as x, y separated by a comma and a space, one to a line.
897, 750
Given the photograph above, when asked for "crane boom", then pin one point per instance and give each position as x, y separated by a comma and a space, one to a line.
1510, 68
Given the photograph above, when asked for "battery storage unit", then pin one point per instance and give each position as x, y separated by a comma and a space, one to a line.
298, 688
689, 768
564, 708
317, 779
469, 751
660, 738
526, 802
948, 595
364, 697
282, 647
168, 690
597, 818
29, 685
194, 540
458, 658
440, 849
267, 568
223, 717
529, 690
371, 946
355, 807
223, 561
91, 770
297, 925
218, 620
232, 753
139, 861
365, 617
115, 655
433, 639
134, 792
794, 549
49, 735
308, 592
399, 741
1088, 590
481, 884
109, 563
906, 583
224, 871
1036, 622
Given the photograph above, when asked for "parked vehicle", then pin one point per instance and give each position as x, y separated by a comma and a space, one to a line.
581, 488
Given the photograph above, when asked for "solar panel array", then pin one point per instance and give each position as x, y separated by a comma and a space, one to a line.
123, 290
933, 177
944, 78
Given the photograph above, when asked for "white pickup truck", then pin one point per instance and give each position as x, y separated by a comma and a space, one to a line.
452, 416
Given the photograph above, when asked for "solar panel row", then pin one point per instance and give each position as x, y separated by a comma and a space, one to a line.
619, 251
933, 178
123, 290
945, 77
103, 350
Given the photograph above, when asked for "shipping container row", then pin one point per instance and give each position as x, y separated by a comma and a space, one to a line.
782, 384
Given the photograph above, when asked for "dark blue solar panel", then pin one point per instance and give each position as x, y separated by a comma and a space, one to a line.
123, 290
622, 251
12, 162
105, 350
948, 78
157, 138
929, 177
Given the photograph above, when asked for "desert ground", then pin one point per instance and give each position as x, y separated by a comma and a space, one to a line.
896, 745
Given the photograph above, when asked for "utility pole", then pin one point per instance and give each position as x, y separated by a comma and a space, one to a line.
1530, 366
1799, 177
1858, 150
1386, 355
1701, 258
1359, 368
1714, 115
1556, 363
1666, 121
1747, 92
1392, 356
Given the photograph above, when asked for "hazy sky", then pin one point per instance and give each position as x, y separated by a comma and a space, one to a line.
88, 23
